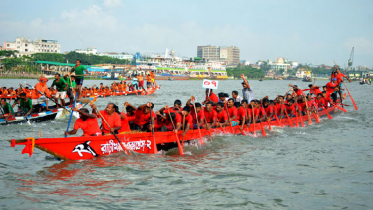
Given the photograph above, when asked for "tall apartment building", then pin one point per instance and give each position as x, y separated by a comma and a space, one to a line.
229, 55
27, 47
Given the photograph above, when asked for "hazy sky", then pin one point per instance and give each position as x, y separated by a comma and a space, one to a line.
315, 31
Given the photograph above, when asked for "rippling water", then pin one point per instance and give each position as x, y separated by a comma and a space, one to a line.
322, 166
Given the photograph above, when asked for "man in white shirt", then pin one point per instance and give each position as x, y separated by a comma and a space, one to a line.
236, 97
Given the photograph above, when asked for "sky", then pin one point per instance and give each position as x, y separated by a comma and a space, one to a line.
317, 32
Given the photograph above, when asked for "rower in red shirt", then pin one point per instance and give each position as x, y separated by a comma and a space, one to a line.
320, 101
168, 124
143, 120
330, 86
302, 105
328, 100
87, 122
131, 114
210, 97
111, 117
187, 119
221, 117
297, 90
232, 110
210, 116
314, 89
200, 113
291, 108
267, 109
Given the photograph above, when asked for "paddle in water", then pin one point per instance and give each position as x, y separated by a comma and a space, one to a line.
174, 130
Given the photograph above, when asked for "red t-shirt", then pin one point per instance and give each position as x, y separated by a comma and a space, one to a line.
124, 124
210, 116
177, 119
330, 88
232, 112
302, 106
213, 97
189, 119
89, 127
340, 77
113, 121
241, 113
268, 110
131, 118
222, 116
327, 100
249, 111
290, 109
320, 102
141, 118
200, 115
299, 92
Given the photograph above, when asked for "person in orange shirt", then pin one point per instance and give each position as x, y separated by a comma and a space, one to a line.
140, 77
152, 75
41, 93
5, 91
87, 122
148, 81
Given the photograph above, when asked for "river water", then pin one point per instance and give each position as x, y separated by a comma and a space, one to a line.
322, 166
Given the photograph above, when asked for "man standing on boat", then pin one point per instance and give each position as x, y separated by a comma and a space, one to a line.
247, 93
79, 76
61, 86
70, 87
41, 93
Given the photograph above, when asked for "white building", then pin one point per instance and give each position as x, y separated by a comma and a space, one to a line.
279, 64
27, 47
90, 50
117, 55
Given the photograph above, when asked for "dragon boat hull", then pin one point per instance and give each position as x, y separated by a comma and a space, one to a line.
125, 93
76, 148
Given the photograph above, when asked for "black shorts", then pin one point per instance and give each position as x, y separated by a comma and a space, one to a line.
79, 81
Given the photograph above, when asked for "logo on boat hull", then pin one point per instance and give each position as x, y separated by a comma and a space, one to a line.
84, 147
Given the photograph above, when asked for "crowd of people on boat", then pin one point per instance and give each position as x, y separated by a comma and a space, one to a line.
217, 110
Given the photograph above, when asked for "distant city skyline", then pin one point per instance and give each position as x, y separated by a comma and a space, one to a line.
317, 32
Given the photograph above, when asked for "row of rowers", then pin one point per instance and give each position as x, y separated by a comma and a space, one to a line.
218, 111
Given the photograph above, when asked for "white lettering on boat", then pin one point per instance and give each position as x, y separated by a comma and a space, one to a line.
137, 145
110, 147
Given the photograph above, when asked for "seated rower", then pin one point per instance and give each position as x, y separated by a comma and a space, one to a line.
144, 120
243, 113
173, 123
187, 119
197, 113
110, 117
267, 109
232, 110
221, 115
210, 116
125, 126
87, 122
320, 102
131, 114
24, 104
328, 100
210, 97
61, 86
290, 108
8, 111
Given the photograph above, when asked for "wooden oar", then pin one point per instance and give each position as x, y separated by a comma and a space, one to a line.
124, 148
269, 124
344, 110
289, 119
263, 131
199, 130
252, 108
278, 121
177, 138
229, 118
155, 151
330, 117
71, 115
296, 120
308, 113
316, 117
350, 95
206, 127
182, 138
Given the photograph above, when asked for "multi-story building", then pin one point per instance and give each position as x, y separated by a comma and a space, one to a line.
229, 55
90, 50
27, 47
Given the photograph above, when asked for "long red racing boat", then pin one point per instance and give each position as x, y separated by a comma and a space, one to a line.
76, 148
125, 93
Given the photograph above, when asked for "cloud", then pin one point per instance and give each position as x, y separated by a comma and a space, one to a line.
361, 44
112, 4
